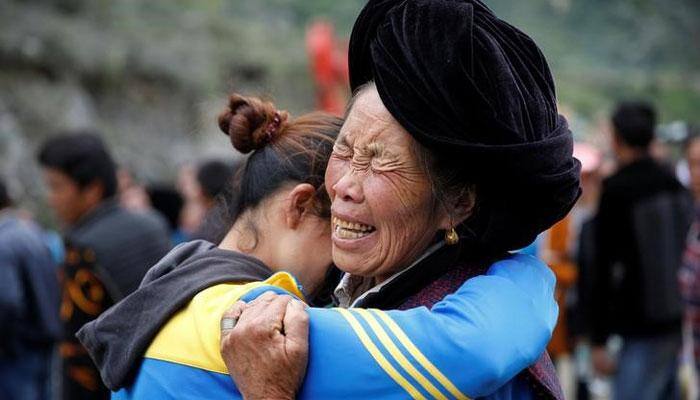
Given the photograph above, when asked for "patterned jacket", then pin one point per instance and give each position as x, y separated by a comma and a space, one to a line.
689, 280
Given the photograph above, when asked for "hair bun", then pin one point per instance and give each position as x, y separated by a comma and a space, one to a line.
251, 123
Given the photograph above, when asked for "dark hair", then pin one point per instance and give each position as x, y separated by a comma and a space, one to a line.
213, 175
168, 201
282, 150
4, 196
83, 157
634, 123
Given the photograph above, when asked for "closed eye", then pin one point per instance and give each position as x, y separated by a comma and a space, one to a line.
375, 150
386, 161
342, 151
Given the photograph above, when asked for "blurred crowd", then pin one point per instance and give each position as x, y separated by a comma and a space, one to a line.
112, 230
627, 265
627, 261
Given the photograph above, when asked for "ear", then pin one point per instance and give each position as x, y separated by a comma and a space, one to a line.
458, 209
297, 203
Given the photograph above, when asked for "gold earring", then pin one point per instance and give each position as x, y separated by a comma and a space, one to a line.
451, 237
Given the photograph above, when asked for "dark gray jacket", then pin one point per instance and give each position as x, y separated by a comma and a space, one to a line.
118, 339
126, 244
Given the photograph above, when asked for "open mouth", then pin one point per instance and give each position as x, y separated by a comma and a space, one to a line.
351, 230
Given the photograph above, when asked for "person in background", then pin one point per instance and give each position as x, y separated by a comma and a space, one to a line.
29, 301
559, 249
168, 202
212, 177
692, 156
162, 199
582, 254
689, 274
328, 58
108, 249
199, 187
193, 210
642, 221
131, 194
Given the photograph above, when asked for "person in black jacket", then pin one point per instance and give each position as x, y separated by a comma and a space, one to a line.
108, 249
642, 221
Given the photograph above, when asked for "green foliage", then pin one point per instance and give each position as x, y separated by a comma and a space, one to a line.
604, 50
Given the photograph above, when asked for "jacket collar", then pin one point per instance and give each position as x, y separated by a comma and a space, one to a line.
104, 208
356, 291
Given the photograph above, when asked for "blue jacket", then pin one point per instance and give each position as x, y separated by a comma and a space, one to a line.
470, 344
29, 290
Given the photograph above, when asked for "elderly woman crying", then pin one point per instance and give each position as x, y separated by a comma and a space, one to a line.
452, 155
379, 178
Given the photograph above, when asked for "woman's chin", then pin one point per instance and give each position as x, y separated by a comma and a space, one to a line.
353, 252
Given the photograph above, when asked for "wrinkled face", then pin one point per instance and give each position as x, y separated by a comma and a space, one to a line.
64, 196
383, 210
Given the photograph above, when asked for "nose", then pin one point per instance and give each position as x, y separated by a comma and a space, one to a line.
349, 187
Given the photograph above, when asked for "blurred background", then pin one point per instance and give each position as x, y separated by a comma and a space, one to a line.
151, 75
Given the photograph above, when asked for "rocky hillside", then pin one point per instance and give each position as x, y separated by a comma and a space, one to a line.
152, 74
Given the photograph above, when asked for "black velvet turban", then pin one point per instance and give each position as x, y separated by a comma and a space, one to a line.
472, 88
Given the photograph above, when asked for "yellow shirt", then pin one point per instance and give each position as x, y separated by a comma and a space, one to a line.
192, 336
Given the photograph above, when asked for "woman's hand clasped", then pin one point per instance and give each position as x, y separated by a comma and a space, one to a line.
265, 345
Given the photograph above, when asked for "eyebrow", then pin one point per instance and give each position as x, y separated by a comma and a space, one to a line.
376, 148
341, 140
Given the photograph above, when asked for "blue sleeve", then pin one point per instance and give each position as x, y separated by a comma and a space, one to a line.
470, 344
11, 294
44, 288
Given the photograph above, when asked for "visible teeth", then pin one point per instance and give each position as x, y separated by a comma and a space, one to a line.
348, 234
353, 227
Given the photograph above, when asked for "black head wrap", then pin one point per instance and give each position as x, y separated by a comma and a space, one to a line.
472, 88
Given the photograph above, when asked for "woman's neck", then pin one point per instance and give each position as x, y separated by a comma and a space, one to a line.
238, 242
230, 241
241, 243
